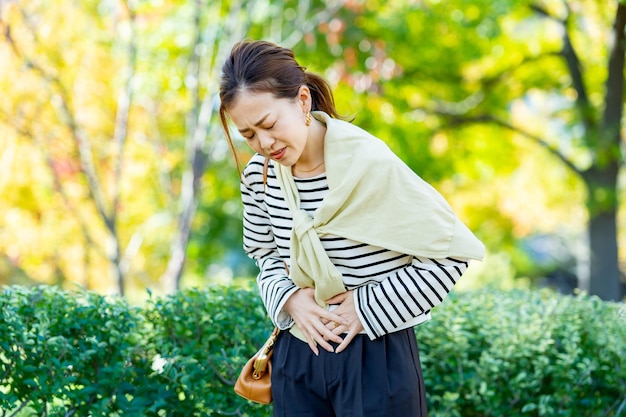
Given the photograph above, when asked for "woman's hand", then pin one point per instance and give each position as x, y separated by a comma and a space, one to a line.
351, 325
310, 318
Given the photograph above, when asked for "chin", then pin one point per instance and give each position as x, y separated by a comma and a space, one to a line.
285, 163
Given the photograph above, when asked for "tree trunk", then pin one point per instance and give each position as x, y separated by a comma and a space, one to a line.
113, 255
602, 204
171, 278
604, 271
601, 179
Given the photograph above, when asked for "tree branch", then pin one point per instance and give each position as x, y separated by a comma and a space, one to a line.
574, 67
23, 404
217, 373
488, 119
62, 103
67, 115
613, 101
58, 187
543, 12
123, 110
622, 406
198, 124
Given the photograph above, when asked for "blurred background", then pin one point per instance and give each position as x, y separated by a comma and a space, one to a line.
115, 175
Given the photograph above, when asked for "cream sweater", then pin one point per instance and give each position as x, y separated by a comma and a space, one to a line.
374, 198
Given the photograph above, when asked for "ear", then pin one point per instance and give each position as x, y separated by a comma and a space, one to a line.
304, 98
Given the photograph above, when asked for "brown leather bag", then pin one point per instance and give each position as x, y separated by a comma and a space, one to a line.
254, 382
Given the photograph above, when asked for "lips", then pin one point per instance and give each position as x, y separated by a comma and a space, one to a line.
278, 155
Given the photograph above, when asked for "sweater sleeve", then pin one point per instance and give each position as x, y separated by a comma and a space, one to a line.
274, 284
407, 293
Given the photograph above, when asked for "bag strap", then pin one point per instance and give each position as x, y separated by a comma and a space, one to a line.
265, 167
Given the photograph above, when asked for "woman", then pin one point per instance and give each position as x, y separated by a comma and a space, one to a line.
354, 249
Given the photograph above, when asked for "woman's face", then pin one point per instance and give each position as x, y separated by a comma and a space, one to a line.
273, 127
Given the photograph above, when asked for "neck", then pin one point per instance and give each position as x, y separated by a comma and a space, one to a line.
295, 169
312, 159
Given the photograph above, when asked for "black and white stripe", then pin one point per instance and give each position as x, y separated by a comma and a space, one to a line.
392, 290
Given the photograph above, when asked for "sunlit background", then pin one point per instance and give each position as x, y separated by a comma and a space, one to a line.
115, 175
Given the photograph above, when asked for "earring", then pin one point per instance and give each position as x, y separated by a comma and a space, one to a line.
307, 120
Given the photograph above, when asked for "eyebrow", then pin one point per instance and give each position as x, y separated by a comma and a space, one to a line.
257, 124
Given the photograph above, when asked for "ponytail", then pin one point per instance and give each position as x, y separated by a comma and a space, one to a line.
321, 94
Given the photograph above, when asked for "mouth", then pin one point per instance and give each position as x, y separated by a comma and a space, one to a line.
279, 154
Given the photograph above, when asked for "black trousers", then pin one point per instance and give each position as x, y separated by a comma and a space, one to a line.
371, 378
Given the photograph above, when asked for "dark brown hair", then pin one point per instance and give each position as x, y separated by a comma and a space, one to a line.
264, 67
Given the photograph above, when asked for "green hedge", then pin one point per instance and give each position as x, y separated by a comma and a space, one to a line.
485, 353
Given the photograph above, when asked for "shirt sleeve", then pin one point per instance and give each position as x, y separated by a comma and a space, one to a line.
274, 284
407, 293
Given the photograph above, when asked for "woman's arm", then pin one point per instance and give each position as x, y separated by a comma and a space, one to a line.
407, 293
259, 243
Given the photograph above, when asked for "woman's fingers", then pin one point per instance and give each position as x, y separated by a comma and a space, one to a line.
351, 324
346, 341
319, 329
327, 318
320, 326
312, 345
321, 335
338, 299
348, 332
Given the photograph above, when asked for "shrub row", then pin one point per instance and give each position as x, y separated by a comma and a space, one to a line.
485, 353
525, 353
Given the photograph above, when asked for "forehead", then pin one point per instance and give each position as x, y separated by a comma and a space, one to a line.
249, 107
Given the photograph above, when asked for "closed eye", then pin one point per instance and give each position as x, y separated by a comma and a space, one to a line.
270, 127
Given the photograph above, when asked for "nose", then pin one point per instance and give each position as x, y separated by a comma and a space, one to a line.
266, 141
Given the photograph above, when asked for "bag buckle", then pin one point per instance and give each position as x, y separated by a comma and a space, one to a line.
260, 362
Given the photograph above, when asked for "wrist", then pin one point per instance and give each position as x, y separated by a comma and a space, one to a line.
297, 297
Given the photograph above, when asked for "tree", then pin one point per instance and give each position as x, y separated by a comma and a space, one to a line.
593, 125
111, 109
601, 124
461, 73
118, 100
48, 72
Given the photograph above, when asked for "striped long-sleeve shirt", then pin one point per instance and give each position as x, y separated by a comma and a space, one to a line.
392, 291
